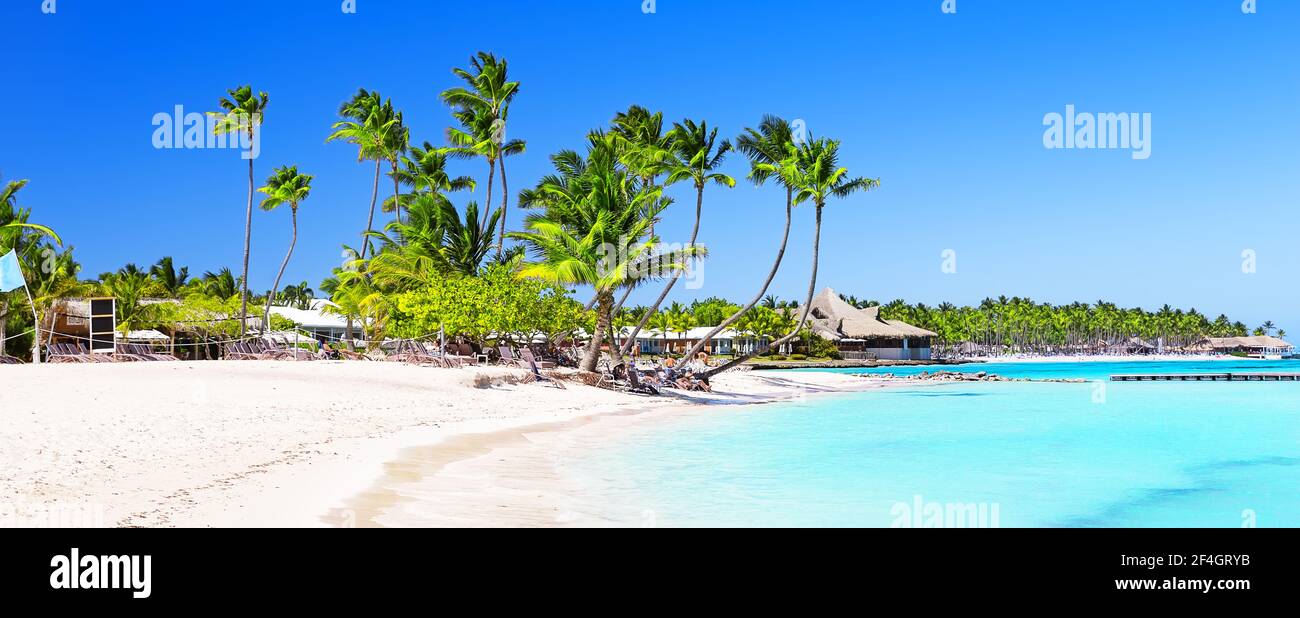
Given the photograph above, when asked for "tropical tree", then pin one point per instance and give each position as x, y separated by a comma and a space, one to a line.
770, 149
221, 285
28, 240
168, 280
695, 154
243, 113
375, 128
425, 171
816, 176
482, 107
285, 186
595, 231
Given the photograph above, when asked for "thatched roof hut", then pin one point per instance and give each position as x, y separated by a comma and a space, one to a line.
833, 318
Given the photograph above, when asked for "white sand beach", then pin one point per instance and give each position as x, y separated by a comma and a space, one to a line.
304, 444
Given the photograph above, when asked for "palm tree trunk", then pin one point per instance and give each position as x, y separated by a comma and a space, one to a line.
370, 222
505, 203
397, 193
248, 240
803, 318
604, 304
780, 255
699, 208
347, 334
487, 206
266, 320
4, 319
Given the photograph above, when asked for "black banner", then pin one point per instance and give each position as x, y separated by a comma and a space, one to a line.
174, 568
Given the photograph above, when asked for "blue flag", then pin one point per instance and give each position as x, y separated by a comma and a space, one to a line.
11, 275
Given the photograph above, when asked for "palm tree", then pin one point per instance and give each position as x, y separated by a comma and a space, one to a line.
482, 107
220, 285
243, 113
25, 239
816, 176
371, 124
425, 171
589, 208
695, 154
169, 281
769, 149
285, 186
465, 245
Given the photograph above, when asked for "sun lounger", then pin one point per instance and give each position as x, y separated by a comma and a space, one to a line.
529, 358
508, 357
9, 360
140, 349
535, 376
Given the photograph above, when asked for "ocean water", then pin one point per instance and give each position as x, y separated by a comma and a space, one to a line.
974, 455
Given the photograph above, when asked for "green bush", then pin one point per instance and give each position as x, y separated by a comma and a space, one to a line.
798, 357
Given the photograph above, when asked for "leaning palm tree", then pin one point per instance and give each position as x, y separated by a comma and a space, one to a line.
370, 124
285, 186
243, 113
482, 107
768, 147
595, 231
814, 173
696, 153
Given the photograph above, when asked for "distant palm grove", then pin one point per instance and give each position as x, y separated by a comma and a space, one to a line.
427, 261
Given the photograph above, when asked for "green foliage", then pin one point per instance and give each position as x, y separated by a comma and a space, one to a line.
1022, 324
494, 306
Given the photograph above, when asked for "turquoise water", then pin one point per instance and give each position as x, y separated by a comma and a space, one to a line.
1071, 455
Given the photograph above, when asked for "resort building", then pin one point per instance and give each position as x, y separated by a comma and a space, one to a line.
325, 328
1259, 347
861, 334
650, 342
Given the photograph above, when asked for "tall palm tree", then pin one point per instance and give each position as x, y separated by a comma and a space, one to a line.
647, 148
374, 127
243, 113
695, 155
816, 176
769, 149
19, 235
482, 108
285, 186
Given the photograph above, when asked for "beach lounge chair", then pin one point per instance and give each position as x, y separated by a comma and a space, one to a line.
535, 376
467, 356
140, 349
123, 353
284, 353
508, 357
528, 357
9, 360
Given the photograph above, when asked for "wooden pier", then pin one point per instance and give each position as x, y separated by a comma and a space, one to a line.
1207, 377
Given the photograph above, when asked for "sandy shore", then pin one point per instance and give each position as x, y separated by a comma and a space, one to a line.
308, 444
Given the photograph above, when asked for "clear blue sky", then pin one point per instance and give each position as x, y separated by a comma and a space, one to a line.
946, 110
